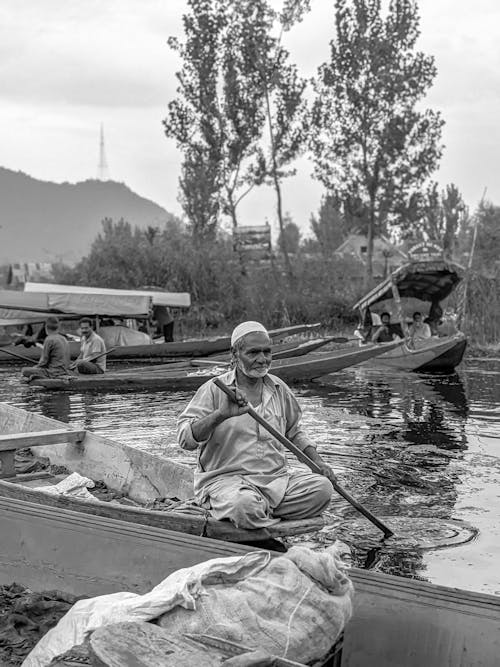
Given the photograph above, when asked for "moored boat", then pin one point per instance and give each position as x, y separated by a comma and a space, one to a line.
307, 368
430, 278
141, 477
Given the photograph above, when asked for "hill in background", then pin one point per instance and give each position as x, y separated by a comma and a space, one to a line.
44, 221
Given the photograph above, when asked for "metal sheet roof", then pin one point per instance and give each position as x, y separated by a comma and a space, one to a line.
31, 304
173, 299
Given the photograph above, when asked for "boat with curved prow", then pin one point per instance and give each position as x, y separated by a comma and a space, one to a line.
428, 277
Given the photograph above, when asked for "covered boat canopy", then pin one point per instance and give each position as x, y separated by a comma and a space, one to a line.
425, 280
173, 299
22, 307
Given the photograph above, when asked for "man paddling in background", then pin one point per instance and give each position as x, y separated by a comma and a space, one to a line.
242, 472
54, 361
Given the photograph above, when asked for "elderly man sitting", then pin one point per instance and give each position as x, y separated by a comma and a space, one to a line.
242, 472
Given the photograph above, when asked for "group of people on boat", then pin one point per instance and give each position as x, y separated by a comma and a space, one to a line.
55, 358
380, 329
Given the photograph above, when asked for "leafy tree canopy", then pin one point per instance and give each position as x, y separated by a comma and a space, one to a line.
373, 144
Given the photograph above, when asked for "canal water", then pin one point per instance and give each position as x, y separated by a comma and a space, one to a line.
419, 450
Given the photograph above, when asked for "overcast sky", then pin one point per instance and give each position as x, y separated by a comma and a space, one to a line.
68, 65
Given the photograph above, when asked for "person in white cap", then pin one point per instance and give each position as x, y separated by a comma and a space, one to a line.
242, 472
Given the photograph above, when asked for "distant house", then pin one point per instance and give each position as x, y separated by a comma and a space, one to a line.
17, 273
386, 256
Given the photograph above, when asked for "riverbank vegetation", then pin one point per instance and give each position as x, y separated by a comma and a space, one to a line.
226, 287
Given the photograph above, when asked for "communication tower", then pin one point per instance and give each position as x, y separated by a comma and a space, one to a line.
102, 170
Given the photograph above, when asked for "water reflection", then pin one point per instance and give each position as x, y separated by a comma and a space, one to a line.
417, 434
56, 405
436, 412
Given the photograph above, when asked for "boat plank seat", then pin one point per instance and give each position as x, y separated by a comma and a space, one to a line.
11, 442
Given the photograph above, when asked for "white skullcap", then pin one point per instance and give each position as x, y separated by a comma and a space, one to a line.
245, 328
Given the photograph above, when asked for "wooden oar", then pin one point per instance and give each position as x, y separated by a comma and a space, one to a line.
19, 356
93, 357
305, 459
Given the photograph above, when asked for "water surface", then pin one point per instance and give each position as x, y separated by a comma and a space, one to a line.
406, 445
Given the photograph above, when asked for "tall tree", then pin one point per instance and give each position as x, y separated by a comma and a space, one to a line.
240, 103
200, 185
218, 113
330, 226
289, 239
371, 142
443, 216
487, 247
285, 105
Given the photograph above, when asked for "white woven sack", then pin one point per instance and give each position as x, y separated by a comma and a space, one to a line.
295, 607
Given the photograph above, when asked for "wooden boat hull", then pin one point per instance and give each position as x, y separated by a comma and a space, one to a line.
290, 370
46, 547
396, 622
404, 622
140, 475
440, 355
188, 348
280, 351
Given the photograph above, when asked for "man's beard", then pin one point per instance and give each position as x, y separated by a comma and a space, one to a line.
252, 372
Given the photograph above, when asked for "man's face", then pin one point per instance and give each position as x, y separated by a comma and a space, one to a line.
255, 356
417, 318
385, 320
85, 329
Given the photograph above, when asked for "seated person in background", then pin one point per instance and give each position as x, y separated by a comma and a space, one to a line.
385, 333
365, 328
30, 339
54, 361
91, 346
165, 322
242, 473
418, 330
434, 318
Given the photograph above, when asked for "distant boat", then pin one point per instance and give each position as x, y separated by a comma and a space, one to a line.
18, 308
201, 347
164, 377
439, 355
427, 277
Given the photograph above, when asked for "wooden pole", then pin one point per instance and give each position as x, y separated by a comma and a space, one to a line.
305, 459
399, 307
463, 309
19, 356
93, 357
